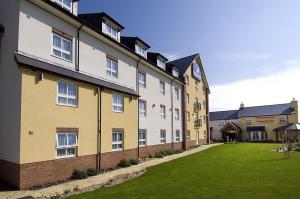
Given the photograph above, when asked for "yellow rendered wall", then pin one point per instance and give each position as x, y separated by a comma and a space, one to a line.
41, 115
126, 120
190, 89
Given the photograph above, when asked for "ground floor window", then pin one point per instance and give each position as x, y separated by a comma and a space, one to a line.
177, 138
142, 138
117, 141
256, 135
66, 144
163, 136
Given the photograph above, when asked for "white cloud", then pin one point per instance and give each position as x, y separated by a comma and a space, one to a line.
243, 56
279, 87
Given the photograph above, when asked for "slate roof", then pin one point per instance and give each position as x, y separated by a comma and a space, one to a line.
183, 63
267, 110
223, 115
96, 19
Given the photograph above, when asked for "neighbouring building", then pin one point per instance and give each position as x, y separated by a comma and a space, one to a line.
257, 123
76, 94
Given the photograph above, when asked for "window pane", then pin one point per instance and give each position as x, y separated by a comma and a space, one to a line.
72, 101
67, 45
61, 152
56, 53
66, 56
56, 41
71, 139
114, 137
62, 100
62, 88
67, 3
72, 90
71, 151
62, 139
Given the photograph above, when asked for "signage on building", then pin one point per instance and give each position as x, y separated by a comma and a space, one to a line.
196, 71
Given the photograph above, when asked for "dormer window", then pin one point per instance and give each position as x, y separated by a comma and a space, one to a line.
111, 31
175, 73
66, 4
141, 50
161, 64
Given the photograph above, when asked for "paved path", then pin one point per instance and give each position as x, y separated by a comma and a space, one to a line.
95, 182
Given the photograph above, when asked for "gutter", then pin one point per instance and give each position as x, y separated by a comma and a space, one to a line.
78, 49
138, 115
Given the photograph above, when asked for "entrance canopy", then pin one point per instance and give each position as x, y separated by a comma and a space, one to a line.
288, 127
256, 128
230, 127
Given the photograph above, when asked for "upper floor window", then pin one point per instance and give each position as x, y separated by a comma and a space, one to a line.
118, 103
196, 85
61, 47
175, 73
176, 114
111, 31
204, 104
162, 88
66, 143
111, 68
248, 122
162, 112
141, 50
142, 79
161, 64
66, 94
188, 117
187, 98
66, 4
177, 93
142, 109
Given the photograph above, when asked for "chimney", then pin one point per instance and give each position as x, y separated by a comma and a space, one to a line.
242, 106
294, 105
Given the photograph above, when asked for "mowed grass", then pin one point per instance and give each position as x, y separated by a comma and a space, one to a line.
232, 171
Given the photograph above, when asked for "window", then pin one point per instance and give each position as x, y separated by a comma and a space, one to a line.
196, 85
111, 68
161, 64
117, 141
142, 138
188, 136
111, 31
256, 135
176, 114
204, 119
142, 109
175, 73
204, 105
162, 88
66, 4
61, 47
283, 120
142, 79
163, 136
66, 144
188, 98
200, 122
188, 117
187, 80
118, 103
162, 112
140, 50
66, 94
177, 93
248, 122
177, 137
222, 123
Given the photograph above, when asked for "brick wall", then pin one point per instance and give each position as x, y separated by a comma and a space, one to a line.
144, 151
112, 159
10, 172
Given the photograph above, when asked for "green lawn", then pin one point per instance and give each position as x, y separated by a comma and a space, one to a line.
235, 171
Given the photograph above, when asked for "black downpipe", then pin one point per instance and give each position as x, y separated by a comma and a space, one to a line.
172, 116
138, 92
78, 49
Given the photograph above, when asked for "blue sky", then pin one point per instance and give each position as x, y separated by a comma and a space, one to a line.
238, 40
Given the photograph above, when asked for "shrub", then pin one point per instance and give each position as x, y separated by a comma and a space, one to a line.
125, 163
92, 172
164, 153
77, 175
158, 155
134, 162
150, 156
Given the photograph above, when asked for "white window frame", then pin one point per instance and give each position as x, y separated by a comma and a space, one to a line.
256, 135
248, 122
161, 64
66, 147
162, 90
142, 113
142, 141
109, 31
162, 112
118, 142
177, 114
63, 5
118, 107
177, 93
163, 139
141, 50
61, 50
109, 69
67, 96
177, 136
141, 83
175, 73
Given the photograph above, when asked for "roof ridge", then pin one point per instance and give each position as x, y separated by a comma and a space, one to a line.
266, 105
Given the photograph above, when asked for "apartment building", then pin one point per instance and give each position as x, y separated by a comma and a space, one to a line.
257, 123
77, 94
